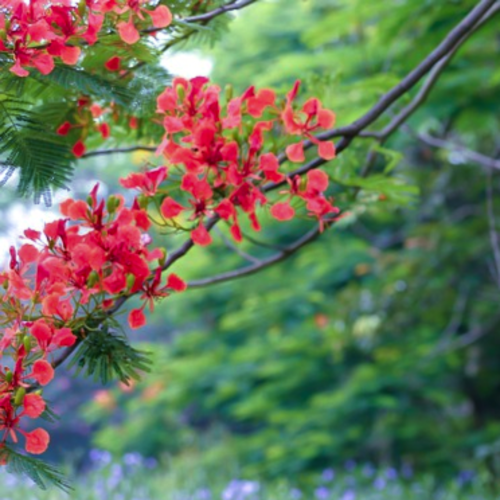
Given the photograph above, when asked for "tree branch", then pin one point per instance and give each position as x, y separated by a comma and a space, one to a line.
208, 16
220, 10
127, 149
433, 77
483, 11
495, 244
245, 271
234, 248
474, 156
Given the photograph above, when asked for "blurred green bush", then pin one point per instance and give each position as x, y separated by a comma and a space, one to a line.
379, 341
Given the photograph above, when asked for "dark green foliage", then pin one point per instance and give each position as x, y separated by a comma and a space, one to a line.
43, 159
378, 342
41, 473
106, 355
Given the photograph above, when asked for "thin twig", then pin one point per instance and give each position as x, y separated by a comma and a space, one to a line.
229, 244
469, 154
471, 336
495, 244
127, 149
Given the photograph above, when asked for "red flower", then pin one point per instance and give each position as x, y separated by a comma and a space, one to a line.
79, 149
42, 372
64, 128
282, 211
176, 283
136, 318
113, 64
37, 441
170, 208
34, 405
201, 236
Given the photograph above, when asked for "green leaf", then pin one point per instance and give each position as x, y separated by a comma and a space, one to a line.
106, 355
40, 472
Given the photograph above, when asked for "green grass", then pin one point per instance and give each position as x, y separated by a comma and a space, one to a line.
134, 478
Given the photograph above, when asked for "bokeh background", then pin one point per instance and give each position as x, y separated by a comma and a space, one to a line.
368, 359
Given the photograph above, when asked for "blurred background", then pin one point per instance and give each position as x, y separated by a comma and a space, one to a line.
377, 347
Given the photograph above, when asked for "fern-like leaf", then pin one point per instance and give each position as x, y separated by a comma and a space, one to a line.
106, 355
43, 159
40, 472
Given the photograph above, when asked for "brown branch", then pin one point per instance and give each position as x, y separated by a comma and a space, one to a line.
442, 50
473, 335
474, 156
127, 149
245, 271
433, 77
207, 16
495, 244
224, 9
234, 248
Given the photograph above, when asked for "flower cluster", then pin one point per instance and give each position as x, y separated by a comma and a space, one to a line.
55, 283
34, 32
63, 278
222, 157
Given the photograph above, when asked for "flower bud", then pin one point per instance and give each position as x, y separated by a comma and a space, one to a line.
19, 397
112, 204
27, 343
92, 279
143, 201
181, 93
130, 281
228, 91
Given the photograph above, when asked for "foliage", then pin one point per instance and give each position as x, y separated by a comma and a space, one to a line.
330, 370
378, 341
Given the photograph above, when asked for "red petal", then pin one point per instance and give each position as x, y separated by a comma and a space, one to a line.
128, 32
64, 128
136, 318
317, 180
28, 253
113, 64
326, 150
282, 211
18, 70
70, 55
79, 149
170, 208
201, 236
42, 372
43, 63
176, 283
37, 441
326, 118
161, 16
295, 152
